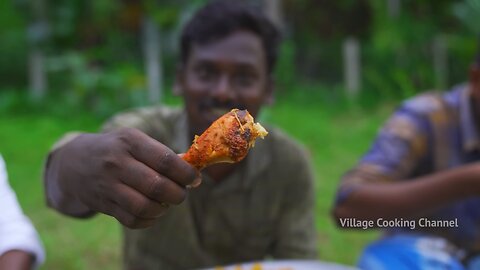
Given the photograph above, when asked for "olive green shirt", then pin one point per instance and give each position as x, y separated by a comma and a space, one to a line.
264, 209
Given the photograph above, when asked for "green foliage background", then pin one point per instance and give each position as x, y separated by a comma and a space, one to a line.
95, 68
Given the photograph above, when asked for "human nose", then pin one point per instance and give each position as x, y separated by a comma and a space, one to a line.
223, 89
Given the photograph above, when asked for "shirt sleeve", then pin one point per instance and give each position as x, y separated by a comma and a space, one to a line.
149, 120
16, 230
134, 119
395, 154
296, 236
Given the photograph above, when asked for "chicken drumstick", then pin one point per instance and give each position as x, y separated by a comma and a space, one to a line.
228, 139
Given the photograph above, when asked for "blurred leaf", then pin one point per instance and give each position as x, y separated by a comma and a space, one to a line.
468, 12
166, 17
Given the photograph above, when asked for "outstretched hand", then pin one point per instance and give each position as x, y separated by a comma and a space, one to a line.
123, 173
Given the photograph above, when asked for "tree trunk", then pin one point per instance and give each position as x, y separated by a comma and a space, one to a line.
440, 62
351, 66
273, 10
393, 8
37, 74
37, 34
153, 63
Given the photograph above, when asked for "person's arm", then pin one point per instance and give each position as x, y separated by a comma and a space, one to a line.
16, 260
410, 198
381, 186
123, 173
20, 246
295, 236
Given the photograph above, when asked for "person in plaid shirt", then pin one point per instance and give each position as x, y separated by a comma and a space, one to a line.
421, 170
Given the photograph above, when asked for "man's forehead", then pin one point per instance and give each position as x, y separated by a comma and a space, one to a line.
241, 46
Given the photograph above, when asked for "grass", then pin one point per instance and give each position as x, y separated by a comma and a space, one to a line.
336, 134
69, 243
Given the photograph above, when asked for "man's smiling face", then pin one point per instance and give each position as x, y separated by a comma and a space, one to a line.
223, 74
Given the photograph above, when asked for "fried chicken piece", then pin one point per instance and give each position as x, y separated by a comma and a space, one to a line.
228, 140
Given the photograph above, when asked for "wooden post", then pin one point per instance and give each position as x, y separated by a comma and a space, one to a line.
440, 62
351, 66
273, 10
37, 74
37, 34
153, 63
393, 8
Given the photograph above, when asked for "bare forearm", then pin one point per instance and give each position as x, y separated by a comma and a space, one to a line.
410, 198
16, 260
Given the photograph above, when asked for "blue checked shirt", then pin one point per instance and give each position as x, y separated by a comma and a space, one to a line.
428, 133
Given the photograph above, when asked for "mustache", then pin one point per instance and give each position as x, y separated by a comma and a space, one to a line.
213, 103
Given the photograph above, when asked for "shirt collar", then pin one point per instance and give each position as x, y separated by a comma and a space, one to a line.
257, 160
470, 136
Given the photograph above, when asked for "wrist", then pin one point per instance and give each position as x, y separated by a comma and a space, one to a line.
16, 259
56, 191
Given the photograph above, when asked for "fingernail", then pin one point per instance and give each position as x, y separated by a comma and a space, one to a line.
196, 182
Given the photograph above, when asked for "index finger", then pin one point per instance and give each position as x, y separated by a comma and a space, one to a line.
161, 159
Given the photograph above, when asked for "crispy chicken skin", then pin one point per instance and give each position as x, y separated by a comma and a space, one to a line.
228, 140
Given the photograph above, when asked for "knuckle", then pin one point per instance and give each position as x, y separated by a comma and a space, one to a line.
110, 163
129, 221
127, 135
157, 187
127, 131
141, 208
166, 161
127, 139
162, 191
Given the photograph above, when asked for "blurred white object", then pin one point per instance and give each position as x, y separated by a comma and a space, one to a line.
285, 264
16, 230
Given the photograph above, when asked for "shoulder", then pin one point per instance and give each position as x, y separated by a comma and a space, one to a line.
291, 162
435, 102
285, 148
425, 103
143, 118
291, 170
426, 111
419, 114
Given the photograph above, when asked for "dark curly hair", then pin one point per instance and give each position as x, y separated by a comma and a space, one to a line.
218, 19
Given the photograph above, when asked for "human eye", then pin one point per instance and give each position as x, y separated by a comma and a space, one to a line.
205, 72
244, 79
